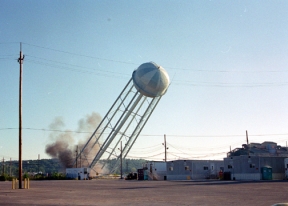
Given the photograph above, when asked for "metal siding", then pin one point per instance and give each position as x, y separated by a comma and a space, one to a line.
241, 167
195, 171
286, 168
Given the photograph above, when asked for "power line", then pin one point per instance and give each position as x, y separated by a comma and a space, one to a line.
110, 74
120, 75
229, 85
78, 66
7, 55
9, 42
147, 135
87, 56
168, 67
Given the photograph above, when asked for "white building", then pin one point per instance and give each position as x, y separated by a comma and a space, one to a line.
78, 173
194, 169
156, 170
185, 169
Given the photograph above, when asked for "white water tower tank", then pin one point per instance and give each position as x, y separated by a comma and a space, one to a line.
151, 79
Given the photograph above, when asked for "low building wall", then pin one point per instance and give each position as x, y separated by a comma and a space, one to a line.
246, 176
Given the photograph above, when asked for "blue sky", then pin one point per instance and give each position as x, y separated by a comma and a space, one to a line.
227, 61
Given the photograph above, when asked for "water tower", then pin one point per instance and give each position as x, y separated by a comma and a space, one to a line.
127, 116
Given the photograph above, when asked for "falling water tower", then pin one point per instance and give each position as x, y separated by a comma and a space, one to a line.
128, 115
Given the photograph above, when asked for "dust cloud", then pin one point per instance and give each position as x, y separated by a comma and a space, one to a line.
64, 142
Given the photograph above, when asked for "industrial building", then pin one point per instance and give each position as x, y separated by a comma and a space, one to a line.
256, 161
267, 149
184, 169
194, 169
156, 170
78, 173
286, 168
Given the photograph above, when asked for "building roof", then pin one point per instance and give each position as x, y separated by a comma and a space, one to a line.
266, 148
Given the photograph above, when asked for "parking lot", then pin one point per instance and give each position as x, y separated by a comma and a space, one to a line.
124, 192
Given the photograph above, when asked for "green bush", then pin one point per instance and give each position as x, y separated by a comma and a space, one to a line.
58, 176
25, 175
54, 176
4, 177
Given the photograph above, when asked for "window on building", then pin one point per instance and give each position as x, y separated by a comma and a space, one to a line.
230, 167
252, 165
205, 168
186, 167
170, 168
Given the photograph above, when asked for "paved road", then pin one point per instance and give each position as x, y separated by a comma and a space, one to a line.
123, 192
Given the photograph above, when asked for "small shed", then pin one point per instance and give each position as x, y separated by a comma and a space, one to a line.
78, 173
156, 170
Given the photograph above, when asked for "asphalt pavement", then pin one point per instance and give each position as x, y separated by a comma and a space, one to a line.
133, 192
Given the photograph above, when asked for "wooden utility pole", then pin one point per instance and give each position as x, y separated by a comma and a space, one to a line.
76, 156
121, 161
80, 160
20, 61
38, 163
165, 147
247, 143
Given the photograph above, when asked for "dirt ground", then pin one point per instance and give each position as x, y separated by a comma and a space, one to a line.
124, 192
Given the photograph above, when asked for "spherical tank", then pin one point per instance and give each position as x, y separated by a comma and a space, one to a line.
151, 79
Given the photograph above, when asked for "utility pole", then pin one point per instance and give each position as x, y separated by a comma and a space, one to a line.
20, 61
76, 155
247, 143
165, 148
80, 160
38, 163
121, 160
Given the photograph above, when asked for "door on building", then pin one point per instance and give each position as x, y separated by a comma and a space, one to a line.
212, 171
266, 173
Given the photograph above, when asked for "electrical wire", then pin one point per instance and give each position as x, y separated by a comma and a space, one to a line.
79, 69
154, 135
174, 68
98, 73
75, 54
202, 148
168, 67
77, 66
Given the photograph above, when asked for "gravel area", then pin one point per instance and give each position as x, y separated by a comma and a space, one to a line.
125, 192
